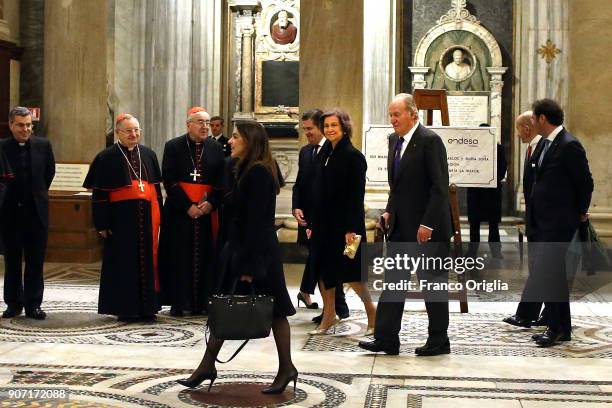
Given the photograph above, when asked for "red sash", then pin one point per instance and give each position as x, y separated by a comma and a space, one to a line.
133, 192
196, 192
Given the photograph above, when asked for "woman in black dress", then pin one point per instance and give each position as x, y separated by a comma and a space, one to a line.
339, 216
251, 253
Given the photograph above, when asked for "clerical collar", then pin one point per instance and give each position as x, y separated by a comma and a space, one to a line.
22, 144
122, 146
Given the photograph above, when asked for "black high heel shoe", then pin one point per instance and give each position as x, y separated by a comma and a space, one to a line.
279, 389
301, 298
186, 382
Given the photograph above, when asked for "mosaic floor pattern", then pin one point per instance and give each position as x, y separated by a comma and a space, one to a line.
77, 358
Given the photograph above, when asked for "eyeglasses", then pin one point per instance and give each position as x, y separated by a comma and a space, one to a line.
201, 122
128, 131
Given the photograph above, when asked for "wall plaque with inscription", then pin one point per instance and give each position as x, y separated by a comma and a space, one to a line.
471, 153
465, 109
69, 177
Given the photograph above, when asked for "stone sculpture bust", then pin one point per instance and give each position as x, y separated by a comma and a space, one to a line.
458, 69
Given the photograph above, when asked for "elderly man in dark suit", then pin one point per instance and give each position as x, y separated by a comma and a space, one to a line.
560, 199
24, 215
417, 212
528, 312
302, 209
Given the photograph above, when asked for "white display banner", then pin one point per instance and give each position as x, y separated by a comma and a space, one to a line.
471, 153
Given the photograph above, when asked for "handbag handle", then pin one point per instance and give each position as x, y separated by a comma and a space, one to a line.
244, 343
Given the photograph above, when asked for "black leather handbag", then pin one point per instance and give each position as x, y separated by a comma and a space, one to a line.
240, 317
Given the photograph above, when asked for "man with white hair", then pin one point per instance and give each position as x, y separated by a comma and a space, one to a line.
126, 202
528, 313
192, 170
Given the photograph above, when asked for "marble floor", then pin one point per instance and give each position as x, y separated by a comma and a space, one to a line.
77, 358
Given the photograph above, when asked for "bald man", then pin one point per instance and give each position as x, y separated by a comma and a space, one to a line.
528, 313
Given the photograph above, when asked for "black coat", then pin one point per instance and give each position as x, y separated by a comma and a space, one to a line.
340, 190
419, 195
529, 170
6, 174
561, 191
485, 204
252, 245
303, 189
224, 142
42, 171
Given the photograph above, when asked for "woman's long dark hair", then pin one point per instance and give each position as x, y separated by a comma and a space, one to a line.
257, 150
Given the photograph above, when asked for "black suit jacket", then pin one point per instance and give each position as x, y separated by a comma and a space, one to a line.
42, 164
224, 141
561, 191
302, 197
419, 195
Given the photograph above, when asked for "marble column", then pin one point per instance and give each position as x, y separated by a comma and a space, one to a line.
75, 78
246, 87
589, 99
538, 77
379, 59
166, 57
32, 19
495, 85
379, 76
331, 74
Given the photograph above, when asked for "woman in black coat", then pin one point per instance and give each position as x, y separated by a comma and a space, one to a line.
251, 253
338, 217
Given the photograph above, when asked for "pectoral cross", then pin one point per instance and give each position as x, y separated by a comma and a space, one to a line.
141, 185
195, 175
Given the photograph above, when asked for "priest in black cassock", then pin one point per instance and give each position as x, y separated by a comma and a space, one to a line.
192, 172
125, 179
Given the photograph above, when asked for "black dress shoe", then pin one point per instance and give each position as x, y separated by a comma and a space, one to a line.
563, 337
551, 337
176, 312
517, 321
432, 349
36, 313
378, 345
542, 321
12, 311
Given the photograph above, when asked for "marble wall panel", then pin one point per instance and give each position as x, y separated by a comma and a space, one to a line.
589, 101
167, 58
331, 72
75, 77
31, 16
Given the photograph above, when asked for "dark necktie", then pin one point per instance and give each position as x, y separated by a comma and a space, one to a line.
544, 150
315, 151
397, 157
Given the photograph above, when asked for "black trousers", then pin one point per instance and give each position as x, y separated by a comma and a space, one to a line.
494, 239
390, 307
25, 237
528, 308
551, 277
309, 282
